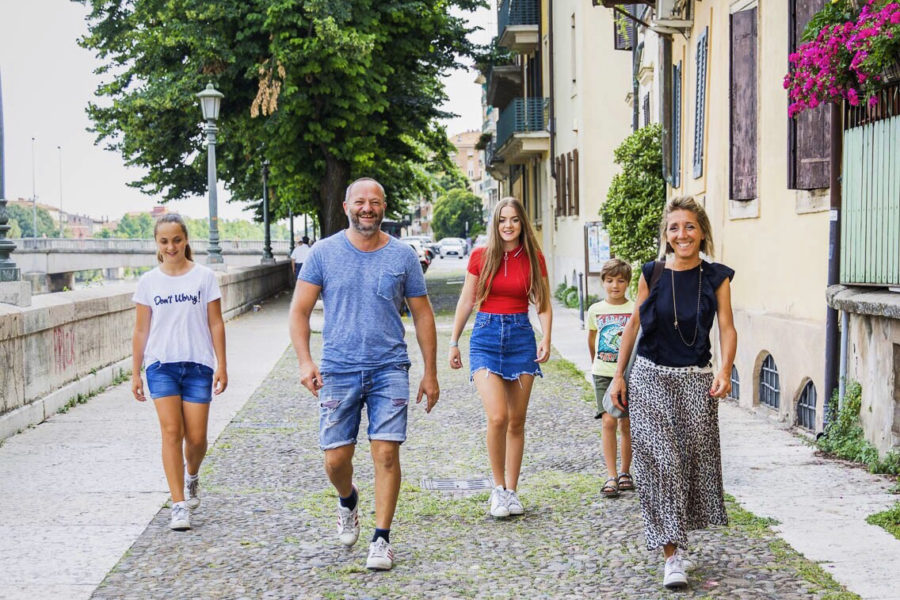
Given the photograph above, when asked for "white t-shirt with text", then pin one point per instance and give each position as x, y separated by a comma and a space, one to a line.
179, 323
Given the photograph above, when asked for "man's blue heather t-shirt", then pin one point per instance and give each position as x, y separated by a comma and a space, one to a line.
363, 293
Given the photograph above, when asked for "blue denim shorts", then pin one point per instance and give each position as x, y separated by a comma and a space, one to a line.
384, 392
191, 381
504, 345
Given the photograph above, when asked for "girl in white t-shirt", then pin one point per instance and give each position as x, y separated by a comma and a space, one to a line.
179, 335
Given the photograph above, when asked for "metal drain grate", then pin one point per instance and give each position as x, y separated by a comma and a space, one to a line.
457, 485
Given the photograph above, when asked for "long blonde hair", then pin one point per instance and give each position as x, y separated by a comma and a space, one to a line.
538, 290
688, 203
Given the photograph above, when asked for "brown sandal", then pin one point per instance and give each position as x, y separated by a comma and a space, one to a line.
610, 488
625, 482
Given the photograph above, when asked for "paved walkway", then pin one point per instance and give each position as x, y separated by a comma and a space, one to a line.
87, 484
820, 505
77, 490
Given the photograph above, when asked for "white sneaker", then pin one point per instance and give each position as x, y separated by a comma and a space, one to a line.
381, 556
513, 504
348, 522
181, 517
674, 577
499, 509
192, 492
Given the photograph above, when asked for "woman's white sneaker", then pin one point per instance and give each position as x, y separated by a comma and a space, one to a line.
499, 509
513, 504
192, 492
674, 577
181, 517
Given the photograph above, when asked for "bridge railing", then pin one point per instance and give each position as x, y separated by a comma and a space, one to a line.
114, 245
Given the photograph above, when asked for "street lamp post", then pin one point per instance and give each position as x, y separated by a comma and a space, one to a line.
210, 102
33, 195
8, 269
60, 193
267, 258
291, 219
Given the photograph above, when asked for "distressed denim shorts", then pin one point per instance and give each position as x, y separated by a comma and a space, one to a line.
384, 392
503, 344
190, 380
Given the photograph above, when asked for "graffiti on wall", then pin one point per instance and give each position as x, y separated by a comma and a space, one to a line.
63, 348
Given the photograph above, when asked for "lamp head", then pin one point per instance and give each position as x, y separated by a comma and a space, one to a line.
210, 102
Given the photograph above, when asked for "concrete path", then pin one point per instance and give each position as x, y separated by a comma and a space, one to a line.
78, 489
821, 505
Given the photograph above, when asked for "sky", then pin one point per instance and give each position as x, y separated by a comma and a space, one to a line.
47, 82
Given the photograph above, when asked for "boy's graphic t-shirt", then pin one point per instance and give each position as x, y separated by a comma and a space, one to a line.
608, 320
179, 323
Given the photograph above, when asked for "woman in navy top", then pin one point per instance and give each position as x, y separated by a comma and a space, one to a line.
673, 390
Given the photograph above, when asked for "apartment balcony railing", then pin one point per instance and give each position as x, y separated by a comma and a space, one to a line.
504, 82
517, 24
522, 115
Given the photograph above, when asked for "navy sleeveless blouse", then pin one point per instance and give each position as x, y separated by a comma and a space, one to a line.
660, 341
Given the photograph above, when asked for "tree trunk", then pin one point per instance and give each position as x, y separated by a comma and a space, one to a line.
331, 195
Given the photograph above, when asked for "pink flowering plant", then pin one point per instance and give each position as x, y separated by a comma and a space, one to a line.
845, 54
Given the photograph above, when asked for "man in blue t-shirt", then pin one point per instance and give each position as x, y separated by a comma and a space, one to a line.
364, 275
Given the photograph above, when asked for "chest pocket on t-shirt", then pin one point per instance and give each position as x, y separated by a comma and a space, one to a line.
390, 285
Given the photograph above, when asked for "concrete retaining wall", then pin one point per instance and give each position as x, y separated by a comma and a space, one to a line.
73, 338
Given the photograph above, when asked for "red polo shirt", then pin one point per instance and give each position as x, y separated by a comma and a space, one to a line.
509, 288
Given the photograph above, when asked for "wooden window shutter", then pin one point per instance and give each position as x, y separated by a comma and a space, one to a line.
676, 126
665, 103
646, 109
700, 102
624, 28
809, 133
559, 185
576, 203
570, 196
743, 87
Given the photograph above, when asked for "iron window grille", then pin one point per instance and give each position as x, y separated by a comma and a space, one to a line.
806, 407
769, 392
735, 383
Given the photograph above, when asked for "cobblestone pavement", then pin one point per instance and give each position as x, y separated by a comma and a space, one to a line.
266, 528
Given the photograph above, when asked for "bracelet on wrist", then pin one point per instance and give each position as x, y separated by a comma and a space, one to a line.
454, 344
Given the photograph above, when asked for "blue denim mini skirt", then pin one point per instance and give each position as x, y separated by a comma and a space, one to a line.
503, 344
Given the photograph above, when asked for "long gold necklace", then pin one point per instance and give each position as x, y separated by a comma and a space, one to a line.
675, 307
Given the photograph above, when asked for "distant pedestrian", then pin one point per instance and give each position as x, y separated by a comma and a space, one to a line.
179, 335
503, 278
298, 256
673, 392
364, 275
606, 320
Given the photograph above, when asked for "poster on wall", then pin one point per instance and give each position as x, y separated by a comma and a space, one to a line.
597, 246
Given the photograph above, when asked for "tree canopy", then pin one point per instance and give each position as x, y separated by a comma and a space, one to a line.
636, 197
326, 90
453, 210
24, 219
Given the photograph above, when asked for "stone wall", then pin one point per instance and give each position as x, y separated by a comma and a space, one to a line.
73, 342
873, 357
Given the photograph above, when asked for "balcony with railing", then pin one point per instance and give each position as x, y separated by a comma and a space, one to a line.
522, 130
504, 82
517, 25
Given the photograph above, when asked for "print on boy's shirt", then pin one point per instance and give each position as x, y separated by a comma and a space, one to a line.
174, 298
609, 336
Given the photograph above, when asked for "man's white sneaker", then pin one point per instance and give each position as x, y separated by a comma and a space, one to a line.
181, 517
348, 522
381, 556
674, 577
499, 509
513, 504
192, 492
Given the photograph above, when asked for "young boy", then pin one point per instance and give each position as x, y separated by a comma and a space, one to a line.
606, 320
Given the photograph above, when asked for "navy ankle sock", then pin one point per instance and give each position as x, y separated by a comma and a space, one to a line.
383, 533
350, 501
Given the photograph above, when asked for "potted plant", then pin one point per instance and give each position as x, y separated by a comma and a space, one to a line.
850, 51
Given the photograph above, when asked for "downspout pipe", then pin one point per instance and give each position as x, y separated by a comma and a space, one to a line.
553, 173
842, 380
832, 342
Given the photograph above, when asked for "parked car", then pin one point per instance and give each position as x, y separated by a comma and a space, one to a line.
431, 247
424, 258
453, 247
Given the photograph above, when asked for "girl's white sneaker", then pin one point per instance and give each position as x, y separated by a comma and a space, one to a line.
513, 504
499, 509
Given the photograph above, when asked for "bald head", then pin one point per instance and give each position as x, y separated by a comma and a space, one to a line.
360, 182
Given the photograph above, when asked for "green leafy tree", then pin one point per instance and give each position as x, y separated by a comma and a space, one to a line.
14, 230
24, 219
636, 197
135, 227
326, 90
453, 210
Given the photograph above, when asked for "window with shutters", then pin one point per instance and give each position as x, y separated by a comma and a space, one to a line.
576, 199
646, 109
665, 105
570, 180
624, 28
676, 126
809, 133
700, 103
743, 105
560, 187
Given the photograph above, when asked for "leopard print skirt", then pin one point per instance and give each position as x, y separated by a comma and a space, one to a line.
677, 458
